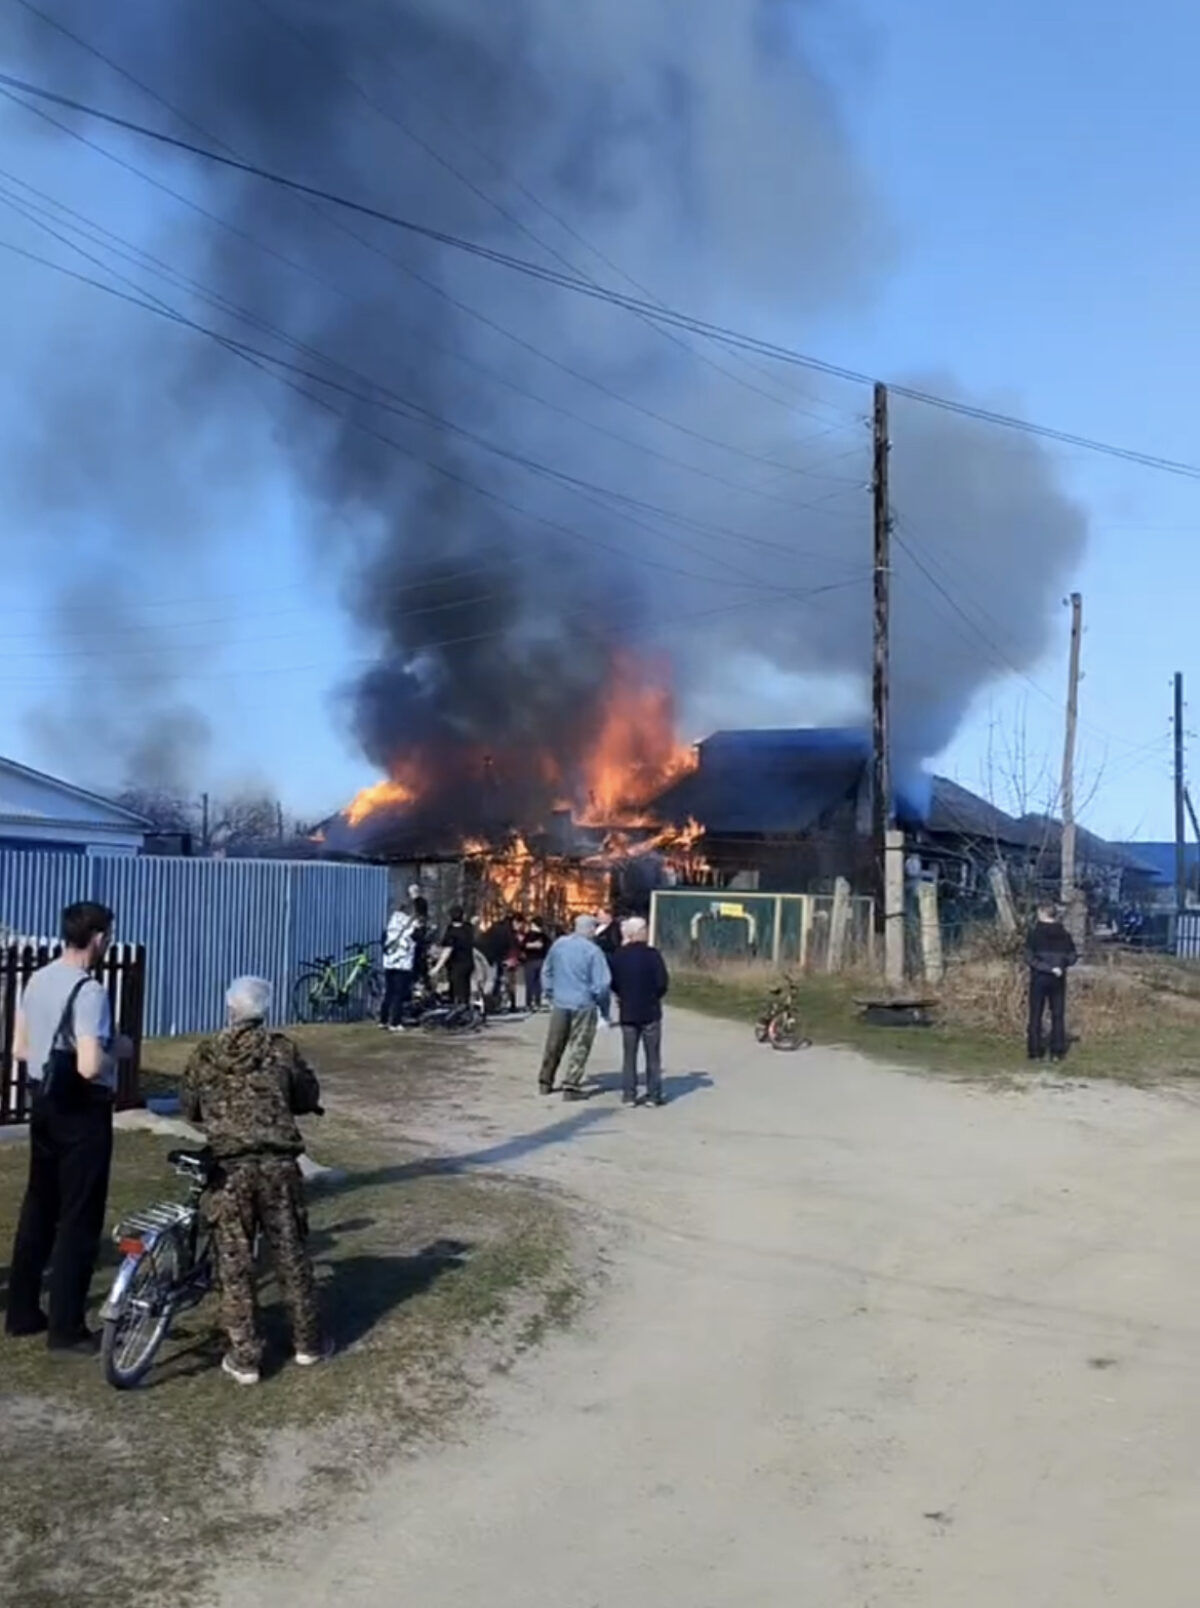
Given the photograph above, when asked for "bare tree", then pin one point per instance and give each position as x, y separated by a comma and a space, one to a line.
167, 812
245, 821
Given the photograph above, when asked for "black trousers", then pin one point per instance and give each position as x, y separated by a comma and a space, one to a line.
62, 1216
460, 984
1045, 991
533, 985
397, 995
649, 1036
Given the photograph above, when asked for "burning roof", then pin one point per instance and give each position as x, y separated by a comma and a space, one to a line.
566, 797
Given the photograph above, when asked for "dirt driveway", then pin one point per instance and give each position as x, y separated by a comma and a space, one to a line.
867, 1339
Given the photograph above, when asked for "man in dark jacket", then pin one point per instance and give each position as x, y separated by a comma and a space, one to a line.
1050, 952
245, 1088
640, 982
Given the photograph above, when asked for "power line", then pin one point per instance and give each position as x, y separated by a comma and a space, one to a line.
678, 320
162, 310
412, 273
425, 145
396, 402
998, 654
137, 677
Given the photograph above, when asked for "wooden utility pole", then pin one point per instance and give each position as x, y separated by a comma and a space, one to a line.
888, 845
204, 823
1068, 773
881, 775
1180, 796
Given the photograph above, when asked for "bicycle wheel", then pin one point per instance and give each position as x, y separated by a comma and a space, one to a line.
373, 993
784, 1031
762, 1030
131, 1337
362, 998
307, 996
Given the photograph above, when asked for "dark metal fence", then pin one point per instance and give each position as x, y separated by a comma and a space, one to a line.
123, 974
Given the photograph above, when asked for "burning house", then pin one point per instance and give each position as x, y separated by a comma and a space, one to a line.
543, 515
554, 827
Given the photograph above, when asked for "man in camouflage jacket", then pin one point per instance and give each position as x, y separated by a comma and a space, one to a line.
245, 1087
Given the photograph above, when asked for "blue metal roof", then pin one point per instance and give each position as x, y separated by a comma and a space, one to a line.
1159, 858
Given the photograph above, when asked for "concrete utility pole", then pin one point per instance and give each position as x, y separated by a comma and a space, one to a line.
1180, 793
1069, 894
1191, 809
888, 919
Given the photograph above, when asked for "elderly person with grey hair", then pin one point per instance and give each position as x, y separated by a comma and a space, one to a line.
576, 983
245, 1087
640, 982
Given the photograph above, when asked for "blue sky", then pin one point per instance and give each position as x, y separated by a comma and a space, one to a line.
1037, 163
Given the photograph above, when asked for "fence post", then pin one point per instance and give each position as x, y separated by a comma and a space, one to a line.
654, 918
838, 922
805, 928
1006, 915
777, 933
931, 931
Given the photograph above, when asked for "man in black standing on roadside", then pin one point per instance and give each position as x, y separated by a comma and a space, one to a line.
640, 981
64, 1035
1050, 952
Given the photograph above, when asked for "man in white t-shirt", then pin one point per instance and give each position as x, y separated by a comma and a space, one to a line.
64, 1035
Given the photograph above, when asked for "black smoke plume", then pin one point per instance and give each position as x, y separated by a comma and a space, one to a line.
519, 482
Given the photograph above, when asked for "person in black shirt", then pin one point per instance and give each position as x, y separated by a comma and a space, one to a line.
534, 944
1050, 952
458, 956
640, 982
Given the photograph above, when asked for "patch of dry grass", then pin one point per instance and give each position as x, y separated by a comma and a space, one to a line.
430, 1280
1134, 1019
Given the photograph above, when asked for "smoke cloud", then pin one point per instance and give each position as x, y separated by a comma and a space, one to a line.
520, 481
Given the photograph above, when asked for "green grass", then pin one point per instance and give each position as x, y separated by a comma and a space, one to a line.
427, 1277
1153, 1046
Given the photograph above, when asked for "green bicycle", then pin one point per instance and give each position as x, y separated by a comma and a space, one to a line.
332, 990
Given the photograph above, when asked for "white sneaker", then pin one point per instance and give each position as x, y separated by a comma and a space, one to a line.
310, 1359
397, 1029
240, 1376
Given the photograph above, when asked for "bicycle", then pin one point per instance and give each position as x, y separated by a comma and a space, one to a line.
167, 1267
436, 1013
779, 1024
327, 989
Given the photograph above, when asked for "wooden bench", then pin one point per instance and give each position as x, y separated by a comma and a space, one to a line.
897, 1012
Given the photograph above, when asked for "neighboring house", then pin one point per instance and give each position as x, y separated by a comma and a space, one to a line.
40, 812
1159, 861
794, 806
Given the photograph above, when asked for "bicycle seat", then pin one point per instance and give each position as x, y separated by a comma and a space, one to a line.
324, 960
194, 1164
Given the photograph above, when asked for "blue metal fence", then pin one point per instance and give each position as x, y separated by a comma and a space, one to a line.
203, 922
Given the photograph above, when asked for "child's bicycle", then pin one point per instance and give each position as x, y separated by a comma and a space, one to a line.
779, 1024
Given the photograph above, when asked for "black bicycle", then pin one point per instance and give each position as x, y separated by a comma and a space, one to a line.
443, 1017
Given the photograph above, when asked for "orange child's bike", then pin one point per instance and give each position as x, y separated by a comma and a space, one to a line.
779, 1023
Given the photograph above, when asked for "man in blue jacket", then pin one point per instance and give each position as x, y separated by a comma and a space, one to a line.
576, 983
640, 982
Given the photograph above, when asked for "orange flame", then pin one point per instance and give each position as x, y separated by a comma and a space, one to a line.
636, 755
387, 794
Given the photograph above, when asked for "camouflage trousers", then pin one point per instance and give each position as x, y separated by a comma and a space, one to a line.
570, 1033
264, 1194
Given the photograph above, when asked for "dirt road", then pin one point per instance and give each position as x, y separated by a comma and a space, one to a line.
868, 1339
